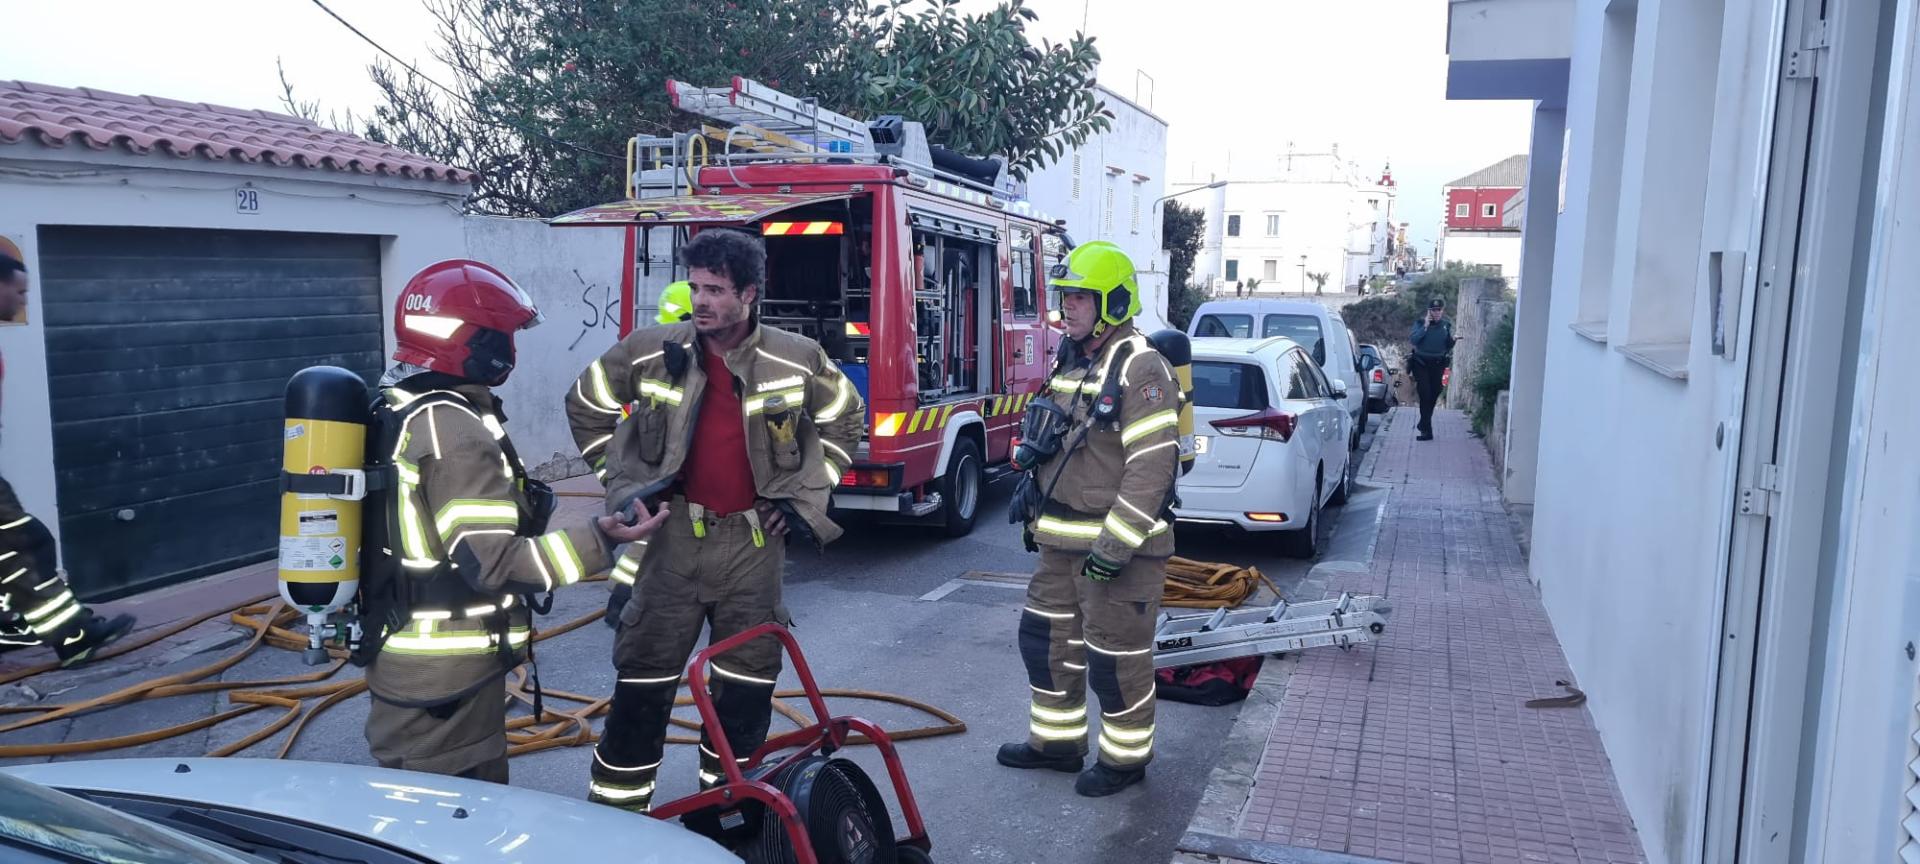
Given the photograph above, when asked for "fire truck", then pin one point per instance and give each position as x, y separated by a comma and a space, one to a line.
920, 270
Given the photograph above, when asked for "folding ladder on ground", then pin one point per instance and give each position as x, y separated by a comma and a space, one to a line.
1344, 621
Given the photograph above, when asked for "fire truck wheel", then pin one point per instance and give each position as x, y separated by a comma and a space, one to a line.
960, 489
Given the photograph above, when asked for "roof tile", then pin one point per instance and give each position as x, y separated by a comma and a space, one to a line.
143, 125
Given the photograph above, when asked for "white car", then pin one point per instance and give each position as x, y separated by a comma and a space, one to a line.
1270, 435
1318, 330
246, 811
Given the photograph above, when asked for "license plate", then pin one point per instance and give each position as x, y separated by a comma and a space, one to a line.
1200, 443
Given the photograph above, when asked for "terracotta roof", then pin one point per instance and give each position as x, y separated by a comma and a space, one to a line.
1508, 173
151, 125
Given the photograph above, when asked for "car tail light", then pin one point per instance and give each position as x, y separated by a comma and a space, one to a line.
865, 478
1271, 424
1267, 517
1379, 377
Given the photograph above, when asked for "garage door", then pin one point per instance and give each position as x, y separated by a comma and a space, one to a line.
168, 357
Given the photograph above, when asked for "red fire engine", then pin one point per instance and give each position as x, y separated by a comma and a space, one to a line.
916, 268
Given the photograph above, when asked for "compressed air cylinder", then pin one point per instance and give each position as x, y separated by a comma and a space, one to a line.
1173, 345
324, 457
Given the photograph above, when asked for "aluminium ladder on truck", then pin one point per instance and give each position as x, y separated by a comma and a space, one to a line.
1344, 621
746, 102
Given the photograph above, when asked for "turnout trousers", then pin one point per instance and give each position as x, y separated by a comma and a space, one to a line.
1075, 633
699, 570
35, 603
466, 737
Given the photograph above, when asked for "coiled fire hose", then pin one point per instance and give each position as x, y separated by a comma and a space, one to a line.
300, 698
1205, 585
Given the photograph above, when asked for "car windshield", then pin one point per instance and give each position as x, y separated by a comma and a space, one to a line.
35, 817
1304, 330
1222, 384
1229, 326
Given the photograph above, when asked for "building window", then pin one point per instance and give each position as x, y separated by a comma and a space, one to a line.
1076, 176
1460, 211
1273, 225
1490, 210
1233, 269
1108, 210
1136, 208
1270, 269
1233, 228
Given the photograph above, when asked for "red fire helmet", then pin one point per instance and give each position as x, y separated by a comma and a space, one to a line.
458, 317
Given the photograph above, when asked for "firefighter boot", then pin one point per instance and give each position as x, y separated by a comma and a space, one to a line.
628, 755
80, 641
1102, 780
1064, 758
746, 710
14, 634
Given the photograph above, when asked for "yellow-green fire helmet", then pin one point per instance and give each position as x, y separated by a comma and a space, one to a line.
1101, 269
676, 303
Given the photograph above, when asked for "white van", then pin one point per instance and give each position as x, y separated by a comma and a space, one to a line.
1310, 325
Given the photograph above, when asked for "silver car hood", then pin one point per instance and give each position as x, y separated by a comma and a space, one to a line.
443, 819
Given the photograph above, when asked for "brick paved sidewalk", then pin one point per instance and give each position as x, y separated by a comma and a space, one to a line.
1418, 748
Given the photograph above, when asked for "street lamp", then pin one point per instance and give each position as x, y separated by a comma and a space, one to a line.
1157, 215
1214, 185
1303, 274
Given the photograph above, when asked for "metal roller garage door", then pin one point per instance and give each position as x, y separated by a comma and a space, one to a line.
168, 353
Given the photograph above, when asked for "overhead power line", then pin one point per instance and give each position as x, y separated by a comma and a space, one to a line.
478, 112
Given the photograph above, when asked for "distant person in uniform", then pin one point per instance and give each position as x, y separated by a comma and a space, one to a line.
1432, 339
36, 606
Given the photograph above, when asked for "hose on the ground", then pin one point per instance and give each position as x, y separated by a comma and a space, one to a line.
1206, 585
292, 694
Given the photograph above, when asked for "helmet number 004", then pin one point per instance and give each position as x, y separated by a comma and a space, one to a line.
419, 303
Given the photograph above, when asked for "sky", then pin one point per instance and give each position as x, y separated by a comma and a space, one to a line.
1236, 80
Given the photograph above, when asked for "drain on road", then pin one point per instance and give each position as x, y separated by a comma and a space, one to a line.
1015, 581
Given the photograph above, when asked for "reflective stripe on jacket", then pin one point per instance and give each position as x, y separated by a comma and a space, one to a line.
1109, 496
803, 418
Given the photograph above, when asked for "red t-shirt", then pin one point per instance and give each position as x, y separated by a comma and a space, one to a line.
717, 475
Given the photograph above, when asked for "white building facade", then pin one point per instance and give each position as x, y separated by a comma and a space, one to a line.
1105, 189
1310, 213
1710, 408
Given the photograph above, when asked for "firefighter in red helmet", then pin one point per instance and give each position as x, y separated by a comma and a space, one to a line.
449, 609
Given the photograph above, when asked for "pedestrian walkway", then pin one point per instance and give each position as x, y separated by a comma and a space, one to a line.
1419, 748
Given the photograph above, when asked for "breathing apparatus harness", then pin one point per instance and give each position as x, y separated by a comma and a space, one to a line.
389, 594
1046, 425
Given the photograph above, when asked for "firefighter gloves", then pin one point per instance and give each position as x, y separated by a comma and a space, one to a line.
1100, 569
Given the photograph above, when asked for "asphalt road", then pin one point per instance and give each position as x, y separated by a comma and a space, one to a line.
862, 619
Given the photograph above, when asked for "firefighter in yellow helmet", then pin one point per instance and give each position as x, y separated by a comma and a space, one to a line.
676, 305
1109, 413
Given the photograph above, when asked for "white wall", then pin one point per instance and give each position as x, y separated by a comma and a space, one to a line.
1501, 250
1125, 169
419, 222
1633, 497
574, 277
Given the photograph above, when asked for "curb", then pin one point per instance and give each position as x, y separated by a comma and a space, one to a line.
1210, 836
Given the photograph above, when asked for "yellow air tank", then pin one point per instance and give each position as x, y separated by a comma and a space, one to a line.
1173, 345
324, 481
